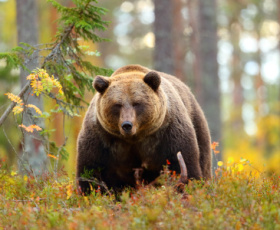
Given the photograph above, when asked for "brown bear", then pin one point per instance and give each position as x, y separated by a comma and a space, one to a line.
140, 118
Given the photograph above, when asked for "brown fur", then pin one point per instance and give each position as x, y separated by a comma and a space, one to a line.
166, 119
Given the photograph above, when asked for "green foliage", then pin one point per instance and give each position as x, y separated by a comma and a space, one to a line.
66, 57
233, 200
61, 151
76, 24
13, 58
85, 18
88, 174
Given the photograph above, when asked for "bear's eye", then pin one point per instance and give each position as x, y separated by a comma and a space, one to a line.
115, 109
117, 105
139, 107
136, 104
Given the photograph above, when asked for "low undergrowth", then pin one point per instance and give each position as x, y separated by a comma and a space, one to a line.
232, 200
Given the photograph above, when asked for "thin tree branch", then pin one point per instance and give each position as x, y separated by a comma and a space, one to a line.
57, 46
19, 158
10, 108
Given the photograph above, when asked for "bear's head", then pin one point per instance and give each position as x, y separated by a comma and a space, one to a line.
130, 105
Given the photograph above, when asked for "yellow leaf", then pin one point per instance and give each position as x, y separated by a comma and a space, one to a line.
30, 128
25, 178
31, 76
37, 86
50, 155
220, 163
35, 107
86, 200
22, 126
240, 167
13, 173
230, 160
42, 73
35, 127
13, 97
17, 109
69, 191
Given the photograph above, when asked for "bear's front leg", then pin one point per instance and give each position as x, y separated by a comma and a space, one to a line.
88, 161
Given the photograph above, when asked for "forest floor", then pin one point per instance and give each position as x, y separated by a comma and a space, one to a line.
233, 199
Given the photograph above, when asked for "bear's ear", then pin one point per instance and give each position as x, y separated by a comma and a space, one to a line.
100, 83
153, 80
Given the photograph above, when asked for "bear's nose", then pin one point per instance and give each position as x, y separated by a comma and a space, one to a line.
127, 126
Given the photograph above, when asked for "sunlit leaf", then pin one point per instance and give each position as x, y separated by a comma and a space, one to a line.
30, 128
35, 107
17, 109
50, 155
13, 97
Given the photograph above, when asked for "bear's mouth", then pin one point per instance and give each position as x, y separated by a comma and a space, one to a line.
128, 134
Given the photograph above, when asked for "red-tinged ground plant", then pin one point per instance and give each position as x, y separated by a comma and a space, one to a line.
234, 199
63, 75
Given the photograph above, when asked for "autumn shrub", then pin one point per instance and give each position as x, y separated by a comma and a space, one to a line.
233, 199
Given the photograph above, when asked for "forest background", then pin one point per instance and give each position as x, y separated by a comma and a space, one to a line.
232, 66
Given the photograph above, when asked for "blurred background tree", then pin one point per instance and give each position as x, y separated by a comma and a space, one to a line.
32, 151
227, 48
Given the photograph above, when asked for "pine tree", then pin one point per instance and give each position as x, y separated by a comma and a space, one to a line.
64, 59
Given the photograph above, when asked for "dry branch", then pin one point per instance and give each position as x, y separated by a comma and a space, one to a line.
179, 187
96, 182
184, 173
138, 176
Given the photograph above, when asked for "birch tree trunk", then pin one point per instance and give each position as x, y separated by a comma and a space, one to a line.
33, 157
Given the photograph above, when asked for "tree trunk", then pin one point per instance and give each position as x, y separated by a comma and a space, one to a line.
237, 123
33, 156
278, 97
278, 4
194, 80
163, 53
179, 46
208, 80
